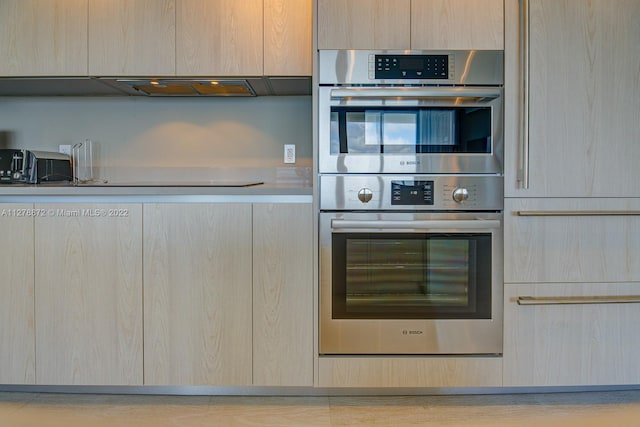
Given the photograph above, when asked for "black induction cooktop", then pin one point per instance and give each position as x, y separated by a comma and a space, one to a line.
212, 183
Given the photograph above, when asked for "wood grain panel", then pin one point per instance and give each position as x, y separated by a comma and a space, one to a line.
584, 99
43, 37
132, 37
17, 333
578, 344
287, 37
571, 248
410, 372
282, 295
197, 294
457, 24
364, 24
88, 288
219, 37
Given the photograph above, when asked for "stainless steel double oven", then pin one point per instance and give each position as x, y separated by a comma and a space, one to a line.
411, 198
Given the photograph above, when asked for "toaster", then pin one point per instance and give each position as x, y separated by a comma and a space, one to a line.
33, 167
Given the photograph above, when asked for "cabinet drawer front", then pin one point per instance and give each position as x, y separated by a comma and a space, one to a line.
409, 371
591, 343
553, 240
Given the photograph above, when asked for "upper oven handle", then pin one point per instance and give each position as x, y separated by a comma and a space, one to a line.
338, 224
481, 93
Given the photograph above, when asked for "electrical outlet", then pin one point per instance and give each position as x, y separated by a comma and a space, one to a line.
289, 153
64, 149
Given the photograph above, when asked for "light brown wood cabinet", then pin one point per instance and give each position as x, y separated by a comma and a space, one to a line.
287, 37
155, 38
457, 24
408, 371
88, 294
17, 329
411, 24
582, 343
219, 37
549, 240
571, 233
364, 24
228, 294
227, 298
578, 257
197, 294
282, 294
132, 37
43, 37
584, 98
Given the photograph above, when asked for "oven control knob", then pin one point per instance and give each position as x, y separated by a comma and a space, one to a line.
460, 195
365, 195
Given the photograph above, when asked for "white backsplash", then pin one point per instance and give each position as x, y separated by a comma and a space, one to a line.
170, 139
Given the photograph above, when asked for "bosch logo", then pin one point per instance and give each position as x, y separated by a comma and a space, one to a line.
410, 332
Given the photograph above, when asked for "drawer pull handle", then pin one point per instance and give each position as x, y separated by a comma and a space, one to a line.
607, 299
578, 213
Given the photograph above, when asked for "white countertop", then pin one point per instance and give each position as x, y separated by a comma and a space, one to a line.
155, 191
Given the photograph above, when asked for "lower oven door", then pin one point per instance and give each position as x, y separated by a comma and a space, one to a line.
411, 283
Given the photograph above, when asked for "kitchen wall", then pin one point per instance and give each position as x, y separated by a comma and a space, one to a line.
139, 138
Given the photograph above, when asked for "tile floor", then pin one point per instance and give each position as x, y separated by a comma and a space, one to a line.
587, 409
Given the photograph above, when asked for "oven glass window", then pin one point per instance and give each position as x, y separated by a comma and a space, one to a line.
411, 276
361, 130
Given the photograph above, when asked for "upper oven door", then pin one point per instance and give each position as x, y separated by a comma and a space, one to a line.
410, 130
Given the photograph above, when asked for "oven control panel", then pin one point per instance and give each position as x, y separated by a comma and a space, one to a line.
412, 193
371, 192
432, 67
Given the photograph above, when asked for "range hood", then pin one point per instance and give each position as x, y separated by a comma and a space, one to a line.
189, 87
161, 87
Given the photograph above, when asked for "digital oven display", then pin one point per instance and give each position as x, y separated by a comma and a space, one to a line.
412, 192
411, 63
412, 67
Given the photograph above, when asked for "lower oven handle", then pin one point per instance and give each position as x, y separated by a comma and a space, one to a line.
415, 224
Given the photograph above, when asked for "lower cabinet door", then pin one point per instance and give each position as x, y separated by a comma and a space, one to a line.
282, 294
88, 294
17, 333
571, 334
197, 294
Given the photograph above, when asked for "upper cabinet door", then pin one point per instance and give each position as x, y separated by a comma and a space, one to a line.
457, 24
43, 37
132, 37
287, 37
219, 37
584, 99
364, 24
